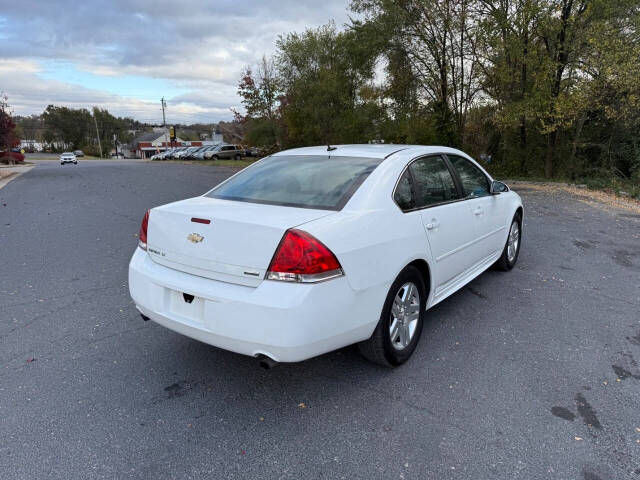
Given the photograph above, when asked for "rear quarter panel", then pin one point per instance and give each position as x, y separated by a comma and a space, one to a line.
372, 247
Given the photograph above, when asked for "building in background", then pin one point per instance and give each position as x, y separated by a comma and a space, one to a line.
31, 146
149, 144
158, 140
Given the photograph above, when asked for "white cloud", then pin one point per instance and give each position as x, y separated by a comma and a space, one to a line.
198, 47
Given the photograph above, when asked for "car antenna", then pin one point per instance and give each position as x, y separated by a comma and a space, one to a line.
330, 148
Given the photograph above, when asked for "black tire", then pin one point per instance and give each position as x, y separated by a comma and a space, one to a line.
215, 157
379, 348
504, 263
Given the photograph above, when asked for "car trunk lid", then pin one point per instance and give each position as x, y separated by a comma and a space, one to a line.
237, 244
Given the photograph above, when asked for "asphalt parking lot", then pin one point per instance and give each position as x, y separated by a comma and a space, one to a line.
531, 374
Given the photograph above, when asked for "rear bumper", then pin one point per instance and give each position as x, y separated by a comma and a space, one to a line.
288, 322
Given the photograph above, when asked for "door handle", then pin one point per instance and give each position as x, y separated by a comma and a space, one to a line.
433, 224
478, 211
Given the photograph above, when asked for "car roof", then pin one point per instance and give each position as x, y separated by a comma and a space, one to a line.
365, 150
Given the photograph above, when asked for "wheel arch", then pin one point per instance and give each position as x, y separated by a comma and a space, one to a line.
520, 211
425, 271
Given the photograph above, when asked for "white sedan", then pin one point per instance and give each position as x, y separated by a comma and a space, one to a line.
313, 249
68, 157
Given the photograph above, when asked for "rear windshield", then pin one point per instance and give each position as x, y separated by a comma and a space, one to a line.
299, 181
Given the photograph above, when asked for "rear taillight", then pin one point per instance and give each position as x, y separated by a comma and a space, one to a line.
142, 238
301, 257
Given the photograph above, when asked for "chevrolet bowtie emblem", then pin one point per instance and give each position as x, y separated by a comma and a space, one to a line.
195, 237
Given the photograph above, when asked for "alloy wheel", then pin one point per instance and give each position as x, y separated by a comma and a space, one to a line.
513, 241
405, 313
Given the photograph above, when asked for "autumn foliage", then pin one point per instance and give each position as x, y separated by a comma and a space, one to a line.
8, 138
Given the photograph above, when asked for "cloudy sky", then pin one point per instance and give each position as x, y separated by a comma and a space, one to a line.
126, 55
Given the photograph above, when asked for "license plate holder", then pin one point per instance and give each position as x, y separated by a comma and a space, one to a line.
186, 305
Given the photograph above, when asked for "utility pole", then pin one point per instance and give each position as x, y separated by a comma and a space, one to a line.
164, 122
97, 133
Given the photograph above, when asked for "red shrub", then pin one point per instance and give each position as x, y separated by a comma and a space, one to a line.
17, 157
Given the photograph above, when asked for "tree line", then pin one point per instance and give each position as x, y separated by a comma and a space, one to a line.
540, 87
62, 128
80, 129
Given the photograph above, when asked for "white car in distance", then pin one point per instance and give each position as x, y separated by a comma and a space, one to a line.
312, 249
68, 157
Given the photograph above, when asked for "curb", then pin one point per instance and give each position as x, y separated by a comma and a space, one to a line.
4, 181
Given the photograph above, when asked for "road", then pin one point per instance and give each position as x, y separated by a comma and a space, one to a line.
531, 374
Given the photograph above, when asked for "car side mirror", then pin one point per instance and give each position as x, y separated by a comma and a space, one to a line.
498, 187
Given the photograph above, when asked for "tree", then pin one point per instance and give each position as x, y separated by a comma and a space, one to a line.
316, 89
540, 60
563, 34
436, 38
113, 129
260, 97
509, 57
328, 92
611, 123
8, 139
68, 128
546, 87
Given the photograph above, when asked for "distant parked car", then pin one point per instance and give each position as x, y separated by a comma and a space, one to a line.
213, 148
78, 153
209, 154
117, 155
68, 157
224, 152
183, 154
193, 154
245, 151
199, 155
162, 155
174, 153
253, 152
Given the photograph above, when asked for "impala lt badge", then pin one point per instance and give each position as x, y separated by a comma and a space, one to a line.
195, 237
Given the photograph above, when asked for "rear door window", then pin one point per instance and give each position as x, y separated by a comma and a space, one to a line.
306, 181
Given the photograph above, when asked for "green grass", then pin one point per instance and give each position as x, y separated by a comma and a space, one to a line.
615, 185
